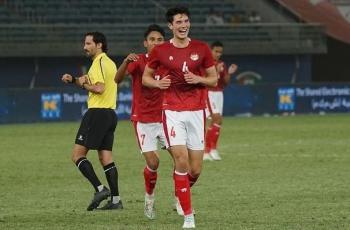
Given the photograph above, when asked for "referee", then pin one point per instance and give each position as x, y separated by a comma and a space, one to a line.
99, 122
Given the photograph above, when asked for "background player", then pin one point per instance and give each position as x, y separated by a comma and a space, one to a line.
184, 101
146, 113
215, 102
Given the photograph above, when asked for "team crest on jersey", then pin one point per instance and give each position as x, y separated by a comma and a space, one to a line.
194, 57
171, 58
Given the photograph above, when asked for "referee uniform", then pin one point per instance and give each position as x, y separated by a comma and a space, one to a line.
99, 122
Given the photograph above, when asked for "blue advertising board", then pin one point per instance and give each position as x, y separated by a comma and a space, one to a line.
282, 98
69, 104
52, 105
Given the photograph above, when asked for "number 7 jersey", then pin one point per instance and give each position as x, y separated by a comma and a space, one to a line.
175, 62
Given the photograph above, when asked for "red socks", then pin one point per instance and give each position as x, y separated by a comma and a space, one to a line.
183, 191
150, 179
215, 135
211, 137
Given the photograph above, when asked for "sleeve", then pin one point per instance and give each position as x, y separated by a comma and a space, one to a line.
98, 75
153, 60
208, 60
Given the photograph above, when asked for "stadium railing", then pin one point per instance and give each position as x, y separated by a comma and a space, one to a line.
66, 40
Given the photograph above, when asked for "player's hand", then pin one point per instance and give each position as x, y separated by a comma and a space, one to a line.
164, 83
67, 78
232, 69
131, 57
220, 67
191, 78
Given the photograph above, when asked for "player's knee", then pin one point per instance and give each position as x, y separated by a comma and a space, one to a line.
181, 162
75, 157
153, 164
152, 160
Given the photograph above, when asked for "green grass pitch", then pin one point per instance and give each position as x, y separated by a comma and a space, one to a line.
277, 173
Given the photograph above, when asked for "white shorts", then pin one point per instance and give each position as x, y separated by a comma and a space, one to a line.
149, 135
215, 103
185, 128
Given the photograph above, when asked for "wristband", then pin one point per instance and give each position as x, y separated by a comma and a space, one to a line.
82, 86
74, 79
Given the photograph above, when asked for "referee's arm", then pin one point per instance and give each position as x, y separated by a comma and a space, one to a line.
97, 88
82, 82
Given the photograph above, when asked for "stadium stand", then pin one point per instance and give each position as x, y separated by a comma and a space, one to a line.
57, 26
39, 29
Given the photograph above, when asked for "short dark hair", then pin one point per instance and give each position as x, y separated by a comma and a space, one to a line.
216, 44
176, 10
98, 37
153, 27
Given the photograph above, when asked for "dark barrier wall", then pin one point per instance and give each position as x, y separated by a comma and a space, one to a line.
47, 72
69, 104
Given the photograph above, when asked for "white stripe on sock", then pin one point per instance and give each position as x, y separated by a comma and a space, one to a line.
81, 162
109, 168
151, 170
181, 174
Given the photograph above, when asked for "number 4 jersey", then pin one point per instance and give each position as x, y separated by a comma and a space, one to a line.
175, 62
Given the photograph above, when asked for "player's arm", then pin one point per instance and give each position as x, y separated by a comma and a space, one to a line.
210, 78
122, 70
149, 81
231, 70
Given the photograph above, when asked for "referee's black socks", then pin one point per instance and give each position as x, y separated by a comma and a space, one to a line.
87, 170
112, 178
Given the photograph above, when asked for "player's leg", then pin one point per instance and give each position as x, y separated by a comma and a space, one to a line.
208, 134
195, 164
215, 128
213, 133
181, 178
176, 135
195, 137
147, 138
150, 176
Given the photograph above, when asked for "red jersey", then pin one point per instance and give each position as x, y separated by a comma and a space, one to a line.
181, 96
146, 102
221, 75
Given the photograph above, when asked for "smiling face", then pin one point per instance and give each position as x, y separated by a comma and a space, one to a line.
153, 38
180, 26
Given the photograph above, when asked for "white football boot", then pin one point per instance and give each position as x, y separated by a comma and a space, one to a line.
215, 155
149, 207
189, 222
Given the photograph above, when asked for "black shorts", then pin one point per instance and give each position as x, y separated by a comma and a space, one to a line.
97, 129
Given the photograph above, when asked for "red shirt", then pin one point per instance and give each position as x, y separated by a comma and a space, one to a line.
146, 102
221, 75
181, 96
